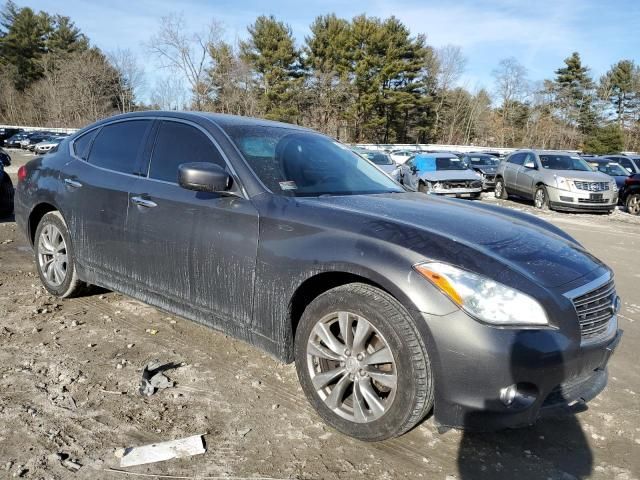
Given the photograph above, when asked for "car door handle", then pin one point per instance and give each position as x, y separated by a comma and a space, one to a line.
143, 202
72, 183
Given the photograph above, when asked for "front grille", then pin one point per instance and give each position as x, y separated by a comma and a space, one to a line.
592, 186
490, 178
595, 309
450, 184
593, 200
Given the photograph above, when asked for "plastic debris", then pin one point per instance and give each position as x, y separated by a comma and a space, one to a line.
159, 452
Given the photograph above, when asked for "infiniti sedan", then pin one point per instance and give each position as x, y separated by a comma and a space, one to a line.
392, 304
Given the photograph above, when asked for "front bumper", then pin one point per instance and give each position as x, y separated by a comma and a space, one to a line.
458, 192
474, 363
582, 200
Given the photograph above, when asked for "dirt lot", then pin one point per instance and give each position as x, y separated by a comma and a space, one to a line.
69, 372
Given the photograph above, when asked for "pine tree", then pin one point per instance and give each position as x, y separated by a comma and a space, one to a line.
620, 87
574, 90
271, 51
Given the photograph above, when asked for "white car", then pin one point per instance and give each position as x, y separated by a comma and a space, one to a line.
401, 156
45, 147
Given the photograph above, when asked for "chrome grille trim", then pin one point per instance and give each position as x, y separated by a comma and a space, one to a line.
594, 306
591, 186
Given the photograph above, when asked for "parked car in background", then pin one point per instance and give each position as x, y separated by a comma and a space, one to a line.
14, 140
5, 159
560, 181
630, 194
484, 164
8, 132
381, 159
47, 145
442, 174
391, 303
32, 138
6, 193
401, 156
612, 169
629, 162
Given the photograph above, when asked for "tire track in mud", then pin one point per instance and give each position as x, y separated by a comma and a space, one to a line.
397, 452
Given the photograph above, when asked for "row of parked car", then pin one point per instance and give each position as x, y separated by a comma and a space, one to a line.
551, 179
38, 141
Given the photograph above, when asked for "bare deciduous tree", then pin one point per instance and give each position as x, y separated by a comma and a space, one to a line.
131, 78
187, 54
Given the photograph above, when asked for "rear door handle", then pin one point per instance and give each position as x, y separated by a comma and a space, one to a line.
72, 183
143, 202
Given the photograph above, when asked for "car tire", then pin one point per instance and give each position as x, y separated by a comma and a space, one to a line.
500, 191
54, 257
632, 204
371, 399
6, 196
541, 198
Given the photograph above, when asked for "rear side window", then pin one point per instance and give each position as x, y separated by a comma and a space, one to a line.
118, 145
178, 143
82, 144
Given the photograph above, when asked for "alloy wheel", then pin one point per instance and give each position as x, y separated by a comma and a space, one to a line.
498, 189
352, 367
540, 198
52, 255
633, 204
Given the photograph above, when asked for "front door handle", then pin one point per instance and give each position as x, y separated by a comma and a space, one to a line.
143, 202
72, 183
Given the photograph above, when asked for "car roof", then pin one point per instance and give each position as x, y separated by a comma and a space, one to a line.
437, 154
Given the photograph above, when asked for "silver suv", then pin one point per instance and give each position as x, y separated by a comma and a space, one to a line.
556, 180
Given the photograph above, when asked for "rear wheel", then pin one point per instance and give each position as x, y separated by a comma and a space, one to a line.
6, 196
362, 363
54, 257
633, 204
499, 190
540, 198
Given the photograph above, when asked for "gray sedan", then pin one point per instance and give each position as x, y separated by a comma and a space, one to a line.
440, 173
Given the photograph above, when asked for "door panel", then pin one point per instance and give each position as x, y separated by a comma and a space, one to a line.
526, 177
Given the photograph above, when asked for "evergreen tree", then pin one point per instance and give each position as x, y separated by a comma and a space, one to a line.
574, 90
271, 51
608, 139
619, 86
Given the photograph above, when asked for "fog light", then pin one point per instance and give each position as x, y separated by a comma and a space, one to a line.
566, 199
508, 394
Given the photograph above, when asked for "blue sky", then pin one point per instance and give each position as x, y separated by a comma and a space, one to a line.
539, 33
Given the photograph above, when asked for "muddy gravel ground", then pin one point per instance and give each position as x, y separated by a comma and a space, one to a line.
69, 372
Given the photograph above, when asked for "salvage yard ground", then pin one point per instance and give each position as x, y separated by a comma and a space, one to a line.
69, 372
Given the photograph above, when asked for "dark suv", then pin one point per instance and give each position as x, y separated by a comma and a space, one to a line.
391, 303
630, 194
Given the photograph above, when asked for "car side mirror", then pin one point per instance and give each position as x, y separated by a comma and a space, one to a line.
530, 165
203, 177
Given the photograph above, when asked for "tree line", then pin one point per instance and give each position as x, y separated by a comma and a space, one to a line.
364, 79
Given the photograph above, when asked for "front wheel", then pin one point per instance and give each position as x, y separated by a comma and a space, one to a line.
633, 204
499, 190
54, 257
6, 196
362, 363
540, 198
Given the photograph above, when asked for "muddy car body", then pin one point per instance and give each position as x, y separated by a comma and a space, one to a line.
391, 303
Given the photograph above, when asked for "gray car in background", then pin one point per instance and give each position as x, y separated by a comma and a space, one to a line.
484, 164
440, 173
556, 180
381, 159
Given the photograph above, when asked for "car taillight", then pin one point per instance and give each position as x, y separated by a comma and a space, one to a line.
22, 173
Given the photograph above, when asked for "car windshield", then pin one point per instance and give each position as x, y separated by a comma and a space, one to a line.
453, 163
483, 160
612, 169
296, 163
563, 162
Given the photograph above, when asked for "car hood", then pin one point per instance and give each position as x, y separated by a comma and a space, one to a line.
580, 176
486, 168
387, 168
449, 175
461, 232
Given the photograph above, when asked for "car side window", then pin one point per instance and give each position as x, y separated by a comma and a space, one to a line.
82, 144
517, 158
118, 145
178, 143
625, 162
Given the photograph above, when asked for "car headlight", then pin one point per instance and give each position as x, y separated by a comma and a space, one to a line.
613, 185
483, 298
563, 183
437, 186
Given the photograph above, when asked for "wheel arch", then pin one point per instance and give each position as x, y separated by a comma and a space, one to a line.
39, 211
